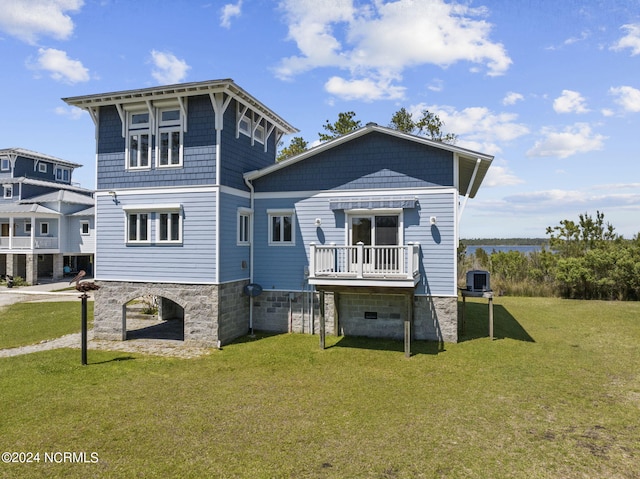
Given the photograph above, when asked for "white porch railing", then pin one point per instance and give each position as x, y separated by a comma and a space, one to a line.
362, 262
24, 242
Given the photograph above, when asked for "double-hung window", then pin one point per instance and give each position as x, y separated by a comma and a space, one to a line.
169, 227
281, 228
244, 227
153, 224
8, 191
169, 140
62, 174
138, 140
138, 227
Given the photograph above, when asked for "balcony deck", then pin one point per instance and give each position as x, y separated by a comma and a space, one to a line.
22, 243
360, 265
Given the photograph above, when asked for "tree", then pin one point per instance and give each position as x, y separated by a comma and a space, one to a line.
432, 126
429, 125
345, 124
575, 239
402, 121
296, 146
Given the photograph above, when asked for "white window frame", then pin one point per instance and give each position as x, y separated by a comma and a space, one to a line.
272, 214
27, 227
42, 167
8, 192
62, 174
350, 214
170, 126
82, 227
159, 220
5, 164
138, 130
243, 237
44, 228
138, 214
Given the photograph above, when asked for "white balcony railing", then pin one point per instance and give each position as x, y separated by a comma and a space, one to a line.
24, 242
364, 262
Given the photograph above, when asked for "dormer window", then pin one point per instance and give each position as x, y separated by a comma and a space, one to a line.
138, 140
63, 174
169, 139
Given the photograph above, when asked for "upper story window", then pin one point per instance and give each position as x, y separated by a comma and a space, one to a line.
42, 167
247, 126
169, 140
5, 164
44, 229
281, 228
8, 191
63, 174
84, 228
138, 140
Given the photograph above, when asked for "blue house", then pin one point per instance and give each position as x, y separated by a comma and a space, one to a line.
46, 220
191, 208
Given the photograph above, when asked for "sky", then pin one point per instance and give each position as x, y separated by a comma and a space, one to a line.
550, 88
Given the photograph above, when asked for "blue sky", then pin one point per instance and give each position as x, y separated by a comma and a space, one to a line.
552, 89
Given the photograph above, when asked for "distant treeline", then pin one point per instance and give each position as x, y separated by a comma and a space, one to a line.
586, 259
505, 241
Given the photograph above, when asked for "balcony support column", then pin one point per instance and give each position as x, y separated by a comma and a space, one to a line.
408, 326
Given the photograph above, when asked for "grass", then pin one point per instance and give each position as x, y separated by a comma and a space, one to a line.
28, 323
557, 395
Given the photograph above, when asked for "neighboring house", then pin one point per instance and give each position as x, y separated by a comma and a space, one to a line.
191, 207
46, 221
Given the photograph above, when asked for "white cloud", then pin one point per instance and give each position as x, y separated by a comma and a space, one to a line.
60, 66
572, 140
229, 11
382, 39
478, 128
30, 19
436, 85
570, 102
363, 89
630, 40
500, 176
627, 97
511, 98
70, 112
168, 68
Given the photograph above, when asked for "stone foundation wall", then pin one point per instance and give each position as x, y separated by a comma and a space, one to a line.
281, 312
435, 318
213, 314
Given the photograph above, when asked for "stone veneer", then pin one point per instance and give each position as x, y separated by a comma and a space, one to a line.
213, 314
280, 311
435, 318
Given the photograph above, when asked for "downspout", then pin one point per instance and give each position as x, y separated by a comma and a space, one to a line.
252, 200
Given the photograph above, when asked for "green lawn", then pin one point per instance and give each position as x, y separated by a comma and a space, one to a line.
557, 395
29, 323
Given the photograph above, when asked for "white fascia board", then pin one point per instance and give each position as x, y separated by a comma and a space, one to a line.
354, 192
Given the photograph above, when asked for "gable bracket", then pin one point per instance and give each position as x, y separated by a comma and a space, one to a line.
123, 118
183, 112
254, 128
220, 104
242, 110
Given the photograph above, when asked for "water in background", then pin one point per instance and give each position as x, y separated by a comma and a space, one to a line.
504, 248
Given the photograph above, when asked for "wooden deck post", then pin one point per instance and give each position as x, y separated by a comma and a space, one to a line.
322, 320
408, 326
